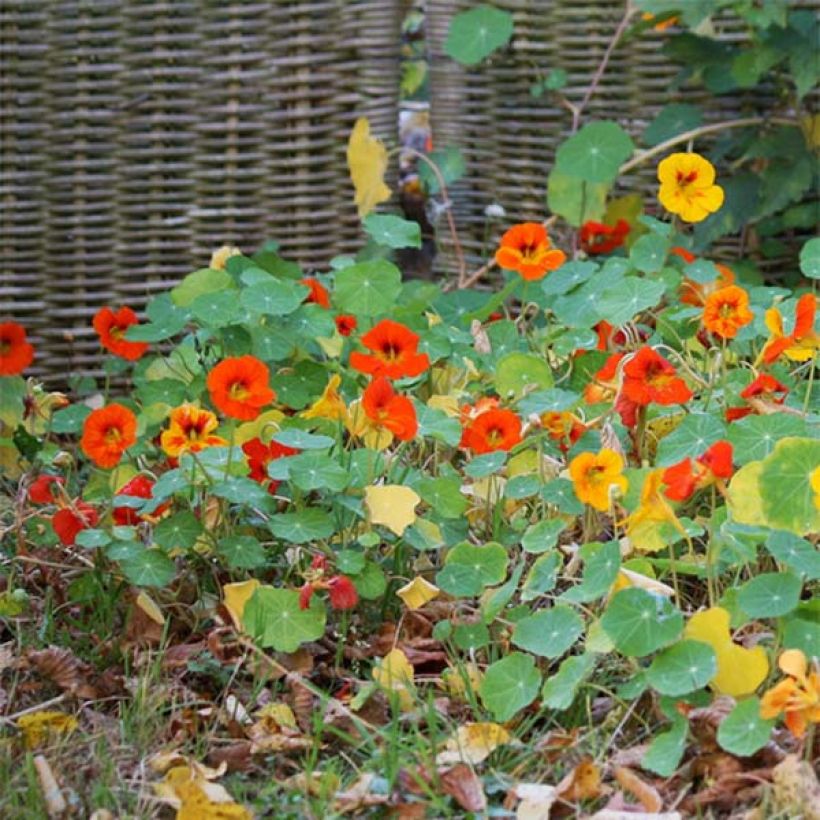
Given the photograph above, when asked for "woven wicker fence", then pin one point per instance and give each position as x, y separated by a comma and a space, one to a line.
135, 137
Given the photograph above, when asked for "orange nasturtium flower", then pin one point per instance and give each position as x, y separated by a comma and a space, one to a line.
798, 695
387, 409
726, 311
688, 187
801, 344
395, 352
108, 433
190, 430
593, 476
695, 293
662, 25
526, 249
685, 478
16, 354
318, 293
648, 377
495, 429
111, 328
563, 427
240, 387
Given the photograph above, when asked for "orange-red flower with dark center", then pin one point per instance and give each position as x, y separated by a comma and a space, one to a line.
111, 329
259, 455
16, 354
498, 429
385, 408
346, 324
687, 477
726, 311
395, 352
563, 427
42, 488
108, 433
695, 293
526, 249
596, 237
141, 486
240, 387
648, 377
190, 430
761, 394
67, 523
318, 293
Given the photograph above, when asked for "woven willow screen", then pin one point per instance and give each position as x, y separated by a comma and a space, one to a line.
137, 136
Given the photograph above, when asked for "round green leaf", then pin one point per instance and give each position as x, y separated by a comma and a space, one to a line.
274, 619
240, 490
804, 635
666, 750
743, 732
392, 231
368, 288
469, 568
796, 553
595, 153
682, 668
70, 419
302, 440
542, 576
640, 622
548, 633
149, 568
543, 536
303, 526
273, 297
559, 691
672, 120
785, 486
477, 33
218, 309
770, 595
205, 280
810, 258
754, 437
600, 570
574, 198
180, 531
519, 373
315, 471
690, 439
509, 685
629, 297
242, 552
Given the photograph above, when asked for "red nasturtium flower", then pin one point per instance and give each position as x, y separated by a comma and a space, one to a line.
596, 237
726, 311
141, 486
259, 455
761, 394
240, 387
41, 490
16, 354
342, 591
526, 249
686, 477
385, 408
318, 293
70, 521
604, 384
648, 377
108, 433
346, 324
111, 327
191, 429
395, 352
497, 429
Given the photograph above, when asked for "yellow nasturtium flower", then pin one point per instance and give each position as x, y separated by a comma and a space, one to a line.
593, 475
688, 187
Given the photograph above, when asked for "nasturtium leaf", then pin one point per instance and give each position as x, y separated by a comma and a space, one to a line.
666, 750
451, 165
309, 322
469, 568
444, 496
640, 622
303, 526
522, 486
392, 505
629, 297
242, 551
560, 494
804, 635
509, 684
486, 464
273, 297
560, 690
162, 391
785, 486
392, 231
236, 597
520, 373
673, 119
167, 484
494, 600
274, 619
477, 33
416, 593
473, 743
770, 594
367, 164
302, 440
548, 633
70, 419
149, 568
744, 501
218, 309
743, 732
595, 153
368, 288
271, 343
470, 637
810, 258
92, 538
123, 548
754, 437
543, 535
200, 282
313, 470
581, 308
568, 276
796, 553
370, 582
682, 668
574, 198
649, 253
437, 424
240, 490
542, 576
180, 531
690, 439
543, 401
165, 321
600, 571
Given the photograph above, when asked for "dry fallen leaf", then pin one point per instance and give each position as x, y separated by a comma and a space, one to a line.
367, 163
464, 786
196, 797
536, 800
473, 743
65, 669
796, 791
392, 505
39, 727
646, 794
582, 783
395, 672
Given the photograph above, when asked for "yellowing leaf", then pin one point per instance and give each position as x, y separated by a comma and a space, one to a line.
447, 404
236, 596
262, 427
473, 743
629, 578
745, 503
395, 672
195, 797
740, 671
367, 162
330, 404
455, 681
417, 593
279, 713
37, 727
392, 505
146, 603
